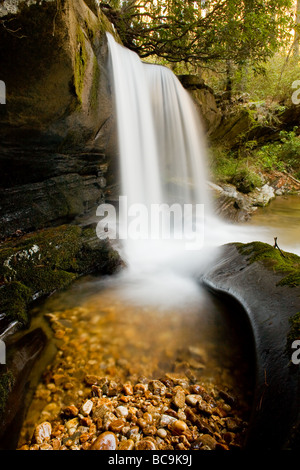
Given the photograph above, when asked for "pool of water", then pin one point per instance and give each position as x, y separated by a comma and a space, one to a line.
100, 330
281, 219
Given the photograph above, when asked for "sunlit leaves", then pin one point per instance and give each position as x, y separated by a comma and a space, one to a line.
203, 31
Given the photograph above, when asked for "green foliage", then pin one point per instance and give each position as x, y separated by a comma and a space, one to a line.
283, 155
272, 83
228, 167
246, 180
243, 167
95, 84
242, 32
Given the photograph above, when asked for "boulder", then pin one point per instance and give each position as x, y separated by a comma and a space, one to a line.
266, 283
57, 128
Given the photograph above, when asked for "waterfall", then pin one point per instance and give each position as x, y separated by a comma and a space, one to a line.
162, 162
161, 144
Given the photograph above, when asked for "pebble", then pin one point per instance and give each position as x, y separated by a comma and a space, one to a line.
127, 388
72, 425
178, 427
157, 387
208, 441
122, 411
117, 425
106, 441
42, 432
126, 445
192, 399
71, 410
144, 444
161, 432
87, 407
179, 399
166, 420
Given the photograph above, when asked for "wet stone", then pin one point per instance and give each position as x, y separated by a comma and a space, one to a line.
179, 399
42, 432
145, 444
192, 399
208, 441
117, 425
157, 387
178, 427
71, 410
122, 411
126, 445
106, 441
166, 420
87, 407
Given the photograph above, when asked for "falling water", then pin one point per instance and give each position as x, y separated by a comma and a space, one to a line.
162, 158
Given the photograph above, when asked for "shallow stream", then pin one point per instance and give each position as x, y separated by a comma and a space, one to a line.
105, 327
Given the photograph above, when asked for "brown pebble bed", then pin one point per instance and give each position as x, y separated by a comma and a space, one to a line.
110, 387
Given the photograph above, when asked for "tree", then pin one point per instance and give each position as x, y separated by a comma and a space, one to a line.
202, 31
297, 29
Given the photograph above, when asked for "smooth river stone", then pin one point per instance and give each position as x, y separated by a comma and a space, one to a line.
43, 432
106, 441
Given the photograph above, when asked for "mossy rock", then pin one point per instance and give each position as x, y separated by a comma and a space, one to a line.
48, 260
14, 298
282, 262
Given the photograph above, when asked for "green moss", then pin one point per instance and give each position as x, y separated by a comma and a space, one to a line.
53, 248
287, 264
95, 83
14, 298
81, 59
48, 260
246, 180
6, 384
294, 332
46, 280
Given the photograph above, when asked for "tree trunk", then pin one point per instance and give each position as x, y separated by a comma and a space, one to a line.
297, 30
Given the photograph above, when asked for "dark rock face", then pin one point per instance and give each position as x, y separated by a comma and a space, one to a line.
57, 127
269, 307
23, 356
204, 98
